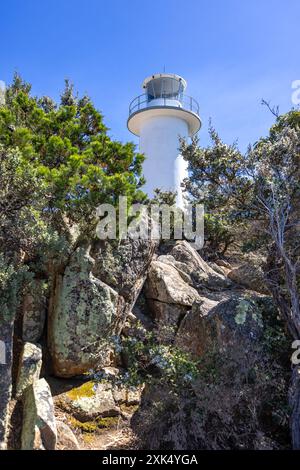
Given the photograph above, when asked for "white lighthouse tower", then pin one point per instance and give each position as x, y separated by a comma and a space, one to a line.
159, 117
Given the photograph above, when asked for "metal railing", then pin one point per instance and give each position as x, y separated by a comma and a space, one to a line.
183, 102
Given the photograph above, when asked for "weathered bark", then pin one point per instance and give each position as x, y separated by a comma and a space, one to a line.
294, 400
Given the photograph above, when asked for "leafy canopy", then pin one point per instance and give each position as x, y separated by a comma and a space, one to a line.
67, 145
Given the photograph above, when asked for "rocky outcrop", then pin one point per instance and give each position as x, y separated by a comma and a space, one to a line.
82, 317
174, 285
195, 306
123, 264
29, 368
90, 302
39, 426
185, 302
188, 260
94, 400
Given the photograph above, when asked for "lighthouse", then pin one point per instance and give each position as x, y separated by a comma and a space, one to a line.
160, 116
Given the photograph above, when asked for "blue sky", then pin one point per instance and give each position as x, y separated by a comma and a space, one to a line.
232, 54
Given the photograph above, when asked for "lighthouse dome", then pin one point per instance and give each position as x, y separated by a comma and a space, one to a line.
164, 85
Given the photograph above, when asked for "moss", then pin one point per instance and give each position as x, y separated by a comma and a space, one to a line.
88, 438
108, 422
88, 426
92, 426
85, 390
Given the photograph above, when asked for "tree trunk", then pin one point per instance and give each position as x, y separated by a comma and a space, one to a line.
294, 400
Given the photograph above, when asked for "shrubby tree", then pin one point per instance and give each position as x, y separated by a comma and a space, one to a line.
218, 179
67, 144
276, 161
262, 188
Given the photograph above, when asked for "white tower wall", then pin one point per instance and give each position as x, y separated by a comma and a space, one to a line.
160, 117
164, 167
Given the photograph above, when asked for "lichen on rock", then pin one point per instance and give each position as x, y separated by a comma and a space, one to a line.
82, 317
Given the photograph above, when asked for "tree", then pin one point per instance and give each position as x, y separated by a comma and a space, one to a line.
262, 186
277, 190
218, 179
69, 148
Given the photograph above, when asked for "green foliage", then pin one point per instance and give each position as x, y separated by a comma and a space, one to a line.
218, 179
68, 147
11, 283
218, 233
150, 361
163, 197
232, 185
57, 164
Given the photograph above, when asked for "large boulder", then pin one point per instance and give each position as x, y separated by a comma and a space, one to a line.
165, 284
39, 426
123, 264
169, 297
29, 367
82, 317
89, 401
94, 400
219, 322
174, 284
90, 301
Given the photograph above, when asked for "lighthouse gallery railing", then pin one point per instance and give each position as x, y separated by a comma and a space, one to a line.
184, 102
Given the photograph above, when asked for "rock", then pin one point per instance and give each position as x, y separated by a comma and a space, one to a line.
182, 269
219, 323
95, 400
167, 314
66, 439
34, 312
30, 367
219, 269
165, 284
123, 265
39, 426
8, 302
91, 300
110, 372
89, 401
127, 396
170, 287
201, 274
223, 263
249, 276
83, 312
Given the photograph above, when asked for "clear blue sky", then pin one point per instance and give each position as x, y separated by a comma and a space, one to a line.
232, 53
